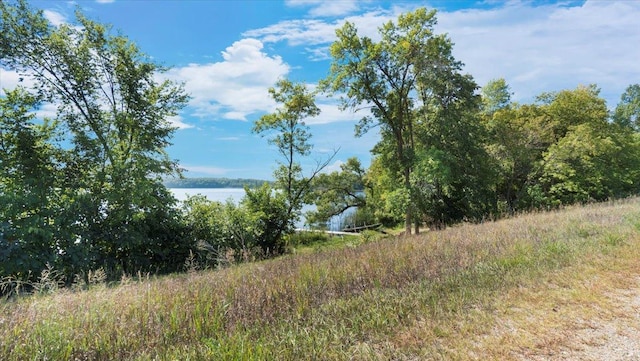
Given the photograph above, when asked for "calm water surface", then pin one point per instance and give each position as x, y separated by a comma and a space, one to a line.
213, 194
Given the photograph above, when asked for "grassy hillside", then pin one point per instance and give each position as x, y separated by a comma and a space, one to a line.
499, 290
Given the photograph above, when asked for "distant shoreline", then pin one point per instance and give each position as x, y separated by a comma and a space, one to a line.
215, 183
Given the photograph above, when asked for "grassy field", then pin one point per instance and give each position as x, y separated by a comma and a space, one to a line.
511, 289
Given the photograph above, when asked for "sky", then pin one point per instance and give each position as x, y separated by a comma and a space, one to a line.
229, 53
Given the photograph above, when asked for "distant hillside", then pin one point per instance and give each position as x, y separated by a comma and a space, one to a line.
213, 183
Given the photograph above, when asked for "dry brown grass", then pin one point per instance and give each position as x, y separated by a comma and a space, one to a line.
544, 318
502, 290
549, 320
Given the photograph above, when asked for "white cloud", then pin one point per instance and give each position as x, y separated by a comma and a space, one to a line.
330, 112
178, 122
54, 17
47, 110
334, 167
317, 34
318, 53
10, 79
235, 87
326, 8
205, 170
549, 47
228, 139
296, 32
535, 47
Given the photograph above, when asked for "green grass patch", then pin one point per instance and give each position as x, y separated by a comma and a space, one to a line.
311, 241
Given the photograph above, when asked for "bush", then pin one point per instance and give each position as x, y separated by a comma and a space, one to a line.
307, 238
268, 209
222, 231
226, 232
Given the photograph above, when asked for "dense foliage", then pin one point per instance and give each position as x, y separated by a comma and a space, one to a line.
290, 135
86, 189
227, 233
426, 110
449, 153
563, 149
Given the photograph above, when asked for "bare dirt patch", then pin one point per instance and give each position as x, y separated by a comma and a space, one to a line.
609, 330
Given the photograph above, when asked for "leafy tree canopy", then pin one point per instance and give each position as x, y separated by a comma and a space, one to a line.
111, 133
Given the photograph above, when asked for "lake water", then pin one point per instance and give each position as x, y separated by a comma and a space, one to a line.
212, 194
236, 194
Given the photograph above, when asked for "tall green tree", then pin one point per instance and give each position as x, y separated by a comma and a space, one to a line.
453, 177
516, 143
287, 130
385, 195
627, 112
567, 109
411, 82
28, 187
496, 95
591, 163
381, 75
586, 157
538, 150
114, 113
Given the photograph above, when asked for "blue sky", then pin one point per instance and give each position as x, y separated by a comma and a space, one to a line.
229, 53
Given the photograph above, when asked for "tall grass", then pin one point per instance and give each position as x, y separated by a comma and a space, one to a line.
355, 302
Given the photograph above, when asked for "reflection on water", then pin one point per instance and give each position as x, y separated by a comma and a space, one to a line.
236, 194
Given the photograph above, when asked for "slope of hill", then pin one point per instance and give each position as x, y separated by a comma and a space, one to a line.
556, 285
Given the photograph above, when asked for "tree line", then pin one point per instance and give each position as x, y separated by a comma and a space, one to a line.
451, 151
83, 190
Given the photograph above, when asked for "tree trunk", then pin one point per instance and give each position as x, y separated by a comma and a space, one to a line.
408, 215
407, 222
